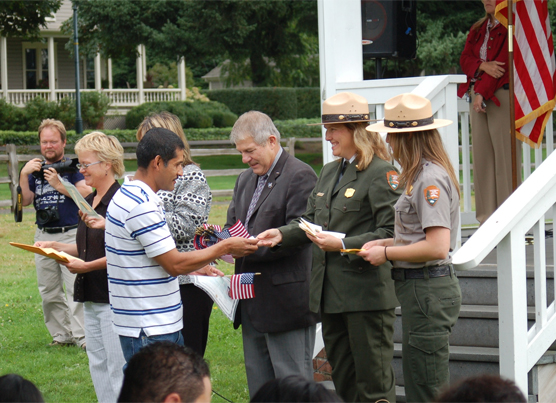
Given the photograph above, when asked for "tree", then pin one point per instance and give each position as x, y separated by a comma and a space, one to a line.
263, 33
25, 18
266, 34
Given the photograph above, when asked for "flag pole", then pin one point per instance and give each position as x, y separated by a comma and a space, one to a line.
512, 99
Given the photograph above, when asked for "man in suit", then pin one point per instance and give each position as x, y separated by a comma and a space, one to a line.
278, 328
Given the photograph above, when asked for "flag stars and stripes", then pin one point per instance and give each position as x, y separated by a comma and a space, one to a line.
242, 286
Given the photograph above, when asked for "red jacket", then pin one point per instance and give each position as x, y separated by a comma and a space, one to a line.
497, 49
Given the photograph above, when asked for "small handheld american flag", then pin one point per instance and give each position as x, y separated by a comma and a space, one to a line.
208, 235
242, 286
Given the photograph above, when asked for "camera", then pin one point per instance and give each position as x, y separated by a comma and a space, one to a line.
69, 165
47, 214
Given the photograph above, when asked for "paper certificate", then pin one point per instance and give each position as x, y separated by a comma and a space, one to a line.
315, 229
48, 252
78, 199
217, 289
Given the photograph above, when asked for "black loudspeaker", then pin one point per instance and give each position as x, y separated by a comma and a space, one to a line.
389, 29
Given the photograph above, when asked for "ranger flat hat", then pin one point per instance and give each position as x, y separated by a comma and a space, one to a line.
344, 107
407, 113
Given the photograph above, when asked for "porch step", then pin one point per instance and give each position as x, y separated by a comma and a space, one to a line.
477, 326
540, 390
400, 396
465, 361
479, 286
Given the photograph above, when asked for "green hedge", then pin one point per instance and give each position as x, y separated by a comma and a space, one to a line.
193, 114
94, 106
308, 103
288, 128
278, 103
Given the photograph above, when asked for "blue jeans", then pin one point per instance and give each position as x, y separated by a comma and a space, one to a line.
131, 345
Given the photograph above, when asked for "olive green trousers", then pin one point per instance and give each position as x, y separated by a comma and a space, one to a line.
430, 308
360, 348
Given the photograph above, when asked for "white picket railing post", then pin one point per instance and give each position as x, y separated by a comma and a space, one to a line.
512, 303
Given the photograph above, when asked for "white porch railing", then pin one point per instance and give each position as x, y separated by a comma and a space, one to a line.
125, 98
21, 97
525, 211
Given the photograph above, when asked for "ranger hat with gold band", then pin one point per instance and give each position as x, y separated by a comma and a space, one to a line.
344, 107
407, 113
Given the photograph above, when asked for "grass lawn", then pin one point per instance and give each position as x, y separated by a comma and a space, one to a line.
62, 373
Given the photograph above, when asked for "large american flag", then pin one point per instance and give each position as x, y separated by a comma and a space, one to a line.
242, 286
534, 67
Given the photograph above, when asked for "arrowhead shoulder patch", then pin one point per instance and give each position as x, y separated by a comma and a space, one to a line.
393, 179
431, 193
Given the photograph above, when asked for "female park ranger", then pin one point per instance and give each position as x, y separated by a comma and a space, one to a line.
427, 219
354, 195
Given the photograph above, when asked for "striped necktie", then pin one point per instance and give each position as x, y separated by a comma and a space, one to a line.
260, 185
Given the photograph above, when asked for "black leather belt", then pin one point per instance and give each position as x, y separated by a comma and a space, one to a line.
421, 273
57, 230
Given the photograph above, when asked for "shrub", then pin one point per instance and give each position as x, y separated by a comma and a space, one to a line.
298, 128
94, 106
11, 117
308, 102
136, 115
288, 128
278, 103
38, 109
193, 114
66, 112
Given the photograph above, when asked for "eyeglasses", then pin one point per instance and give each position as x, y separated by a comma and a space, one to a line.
85, 166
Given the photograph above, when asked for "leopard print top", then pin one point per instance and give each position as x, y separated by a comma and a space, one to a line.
187, 207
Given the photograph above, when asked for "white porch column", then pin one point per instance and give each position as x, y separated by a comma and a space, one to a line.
139, 65
98, 80
4, 66
109, 65
341, 50
181, 78
51, 69
144, 56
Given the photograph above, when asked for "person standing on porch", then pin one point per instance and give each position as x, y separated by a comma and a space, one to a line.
427, 222
485, 62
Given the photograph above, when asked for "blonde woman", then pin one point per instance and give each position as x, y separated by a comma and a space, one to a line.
353, 195
100, 162
187, 207
427, 221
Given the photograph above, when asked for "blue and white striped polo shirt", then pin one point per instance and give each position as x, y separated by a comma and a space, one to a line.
142, 294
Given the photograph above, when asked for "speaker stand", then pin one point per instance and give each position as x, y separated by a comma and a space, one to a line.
378, 64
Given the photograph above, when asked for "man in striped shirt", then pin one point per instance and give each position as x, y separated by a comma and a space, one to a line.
142, 259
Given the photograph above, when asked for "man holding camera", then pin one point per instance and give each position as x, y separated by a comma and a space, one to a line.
57, 218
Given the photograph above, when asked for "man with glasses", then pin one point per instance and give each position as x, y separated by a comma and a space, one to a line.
57, 218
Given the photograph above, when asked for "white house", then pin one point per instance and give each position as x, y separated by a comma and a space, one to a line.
47, 70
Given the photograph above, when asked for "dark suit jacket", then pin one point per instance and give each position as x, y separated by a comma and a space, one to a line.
362, 207
281, 300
